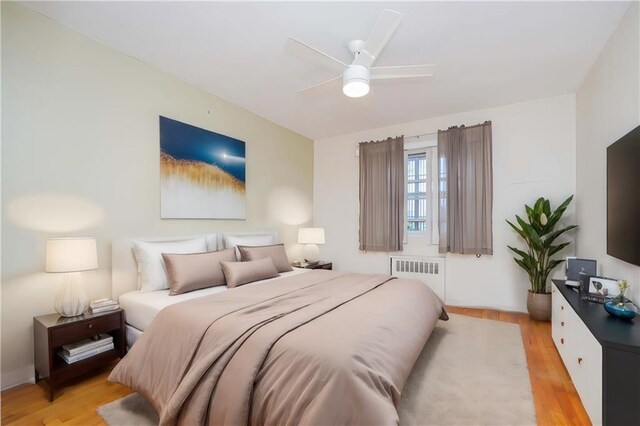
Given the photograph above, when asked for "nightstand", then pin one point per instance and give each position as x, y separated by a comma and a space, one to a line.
319, 265
51, 332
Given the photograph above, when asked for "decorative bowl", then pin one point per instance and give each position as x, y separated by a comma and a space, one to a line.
625, 310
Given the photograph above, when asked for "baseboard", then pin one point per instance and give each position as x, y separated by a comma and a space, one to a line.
466, 304
18, 377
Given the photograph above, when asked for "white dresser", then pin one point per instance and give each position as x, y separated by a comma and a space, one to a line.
602, 355
581, 353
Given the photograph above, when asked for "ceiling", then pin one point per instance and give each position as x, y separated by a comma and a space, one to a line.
487, 53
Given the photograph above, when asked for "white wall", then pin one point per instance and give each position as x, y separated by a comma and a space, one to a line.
608, 107
533, 156
80, 156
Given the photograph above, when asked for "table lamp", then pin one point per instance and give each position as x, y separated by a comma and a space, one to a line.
71, 256
311, 237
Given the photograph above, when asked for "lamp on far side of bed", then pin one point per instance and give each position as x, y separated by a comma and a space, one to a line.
311, 237
71, 256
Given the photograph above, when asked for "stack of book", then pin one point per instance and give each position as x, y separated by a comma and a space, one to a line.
103, 305
86, 348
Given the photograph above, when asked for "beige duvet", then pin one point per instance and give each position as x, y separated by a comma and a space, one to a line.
317, 348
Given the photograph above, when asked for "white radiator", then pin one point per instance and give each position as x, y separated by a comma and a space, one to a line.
429, 270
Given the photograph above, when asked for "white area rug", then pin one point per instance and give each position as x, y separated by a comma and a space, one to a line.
471, 372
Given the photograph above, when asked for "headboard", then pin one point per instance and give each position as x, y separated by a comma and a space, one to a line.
124, 270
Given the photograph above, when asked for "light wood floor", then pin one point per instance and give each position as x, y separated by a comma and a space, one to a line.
555, 397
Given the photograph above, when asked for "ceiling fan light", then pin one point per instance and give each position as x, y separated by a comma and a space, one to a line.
355, 81
355, 88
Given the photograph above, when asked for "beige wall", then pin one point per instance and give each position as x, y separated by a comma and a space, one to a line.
80, 153
533, 156
608, 106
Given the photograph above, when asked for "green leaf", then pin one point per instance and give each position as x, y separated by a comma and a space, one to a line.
525, 267
555, 249
518, 230
557, 214
546, 208
532, 236
538, 207
518, 251
552, 266
530, 213
555, 234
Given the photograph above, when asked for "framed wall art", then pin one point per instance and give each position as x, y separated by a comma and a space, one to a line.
202, 173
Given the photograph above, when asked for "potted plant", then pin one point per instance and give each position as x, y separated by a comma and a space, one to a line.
539, 233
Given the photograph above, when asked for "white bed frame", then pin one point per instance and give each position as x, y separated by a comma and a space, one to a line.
124, 270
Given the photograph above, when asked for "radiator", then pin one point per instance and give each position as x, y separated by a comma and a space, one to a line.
429, 270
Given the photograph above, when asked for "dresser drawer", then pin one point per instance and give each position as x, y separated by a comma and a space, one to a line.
84, 329
558, 324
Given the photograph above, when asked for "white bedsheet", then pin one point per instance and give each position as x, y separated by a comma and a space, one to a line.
140, 308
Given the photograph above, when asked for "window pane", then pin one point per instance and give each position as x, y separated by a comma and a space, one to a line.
418, 192
422, 168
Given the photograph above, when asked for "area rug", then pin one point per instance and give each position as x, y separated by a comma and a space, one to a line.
471, 372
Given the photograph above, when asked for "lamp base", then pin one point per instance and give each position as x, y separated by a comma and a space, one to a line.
311, 253
71, 299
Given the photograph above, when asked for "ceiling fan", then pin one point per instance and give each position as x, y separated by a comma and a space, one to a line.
356, 76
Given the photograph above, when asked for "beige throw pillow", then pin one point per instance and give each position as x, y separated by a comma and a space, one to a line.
239, 273
151, 269
276, 252
188, 272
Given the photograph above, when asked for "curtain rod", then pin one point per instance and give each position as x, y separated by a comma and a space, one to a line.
422, 135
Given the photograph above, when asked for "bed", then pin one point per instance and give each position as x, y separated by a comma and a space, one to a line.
309, 347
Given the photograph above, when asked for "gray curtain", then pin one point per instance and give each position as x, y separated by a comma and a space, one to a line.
466, 189
382, 195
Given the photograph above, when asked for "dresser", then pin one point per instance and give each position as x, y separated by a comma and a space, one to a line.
601, 354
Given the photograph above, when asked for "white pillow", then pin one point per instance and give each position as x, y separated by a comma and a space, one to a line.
253, 240
152, 275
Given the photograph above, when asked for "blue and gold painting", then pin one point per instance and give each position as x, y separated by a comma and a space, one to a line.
202, 173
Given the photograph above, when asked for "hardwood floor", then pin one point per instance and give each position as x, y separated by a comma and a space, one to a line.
555, 398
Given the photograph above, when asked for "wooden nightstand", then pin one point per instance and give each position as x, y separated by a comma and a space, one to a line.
51, 332
319, 265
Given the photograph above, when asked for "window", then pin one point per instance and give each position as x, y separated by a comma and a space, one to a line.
417, 198
422, 199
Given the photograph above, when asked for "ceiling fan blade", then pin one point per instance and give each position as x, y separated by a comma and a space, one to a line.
384, 28
316, 86
406, 71
313, 55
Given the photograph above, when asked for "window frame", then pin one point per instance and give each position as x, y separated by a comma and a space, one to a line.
428, 193
429, 147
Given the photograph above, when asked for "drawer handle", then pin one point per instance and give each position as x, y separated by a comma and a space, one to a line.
579, 361
562, 323
561, 307
90, 325
562, 341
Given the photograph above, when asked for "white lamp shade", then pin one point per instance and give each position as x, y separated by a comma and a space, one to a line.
71, 254
311, 236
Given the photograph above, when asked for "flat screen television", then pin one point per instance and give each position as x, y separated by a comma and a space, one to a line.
623, 198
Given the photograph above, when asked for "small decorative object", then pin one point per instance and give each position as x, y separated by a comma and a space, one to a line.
71, 256
202, 173
599, 289
310, 237
539, 234
620, 306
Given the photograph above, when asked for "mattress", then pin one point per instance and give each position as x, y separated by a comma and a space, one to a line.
140, 308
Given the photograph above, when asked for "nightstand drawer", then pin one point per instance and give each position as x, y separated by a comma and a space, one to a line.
81, 330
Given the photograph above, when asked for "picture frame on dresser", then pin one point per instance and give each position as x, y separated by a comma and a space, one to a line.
597, 289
